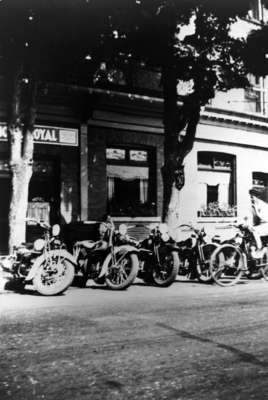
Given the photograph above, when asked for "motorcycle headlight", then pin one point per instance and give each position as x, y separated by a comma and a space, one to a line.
39, 244
238, 239
163, 228
165, 237
122, 229
55, 230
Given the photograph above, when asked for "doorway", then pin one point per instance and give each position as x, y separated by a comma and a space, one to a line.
5, 186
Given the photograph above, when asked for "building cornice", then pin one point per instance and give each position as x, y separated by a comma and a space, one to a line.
141, 105
237, 120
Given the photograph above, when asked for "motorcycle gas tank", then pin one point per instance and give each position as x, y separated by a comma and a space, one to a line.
185, 243
24, 253
90, 245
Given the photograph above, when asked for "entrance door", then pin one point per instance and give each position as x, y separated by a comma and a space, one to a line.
4, 210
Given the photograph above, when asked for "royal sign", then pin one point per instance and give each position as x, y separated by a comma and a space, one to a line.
49, 135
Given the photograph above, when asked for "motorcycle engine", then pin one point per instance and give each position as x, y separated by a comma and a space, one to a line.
23, 261
23, 269
94, 270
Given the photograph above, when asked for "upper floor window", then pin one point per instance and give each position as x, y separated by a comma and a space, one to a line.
256, 10
216, 189
256, 96
130, 182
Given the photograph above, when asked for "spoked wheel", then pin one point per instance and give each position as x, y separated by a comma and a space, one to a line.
263, 264
226, 265
122, 270
167, 268
54, 276
202, 267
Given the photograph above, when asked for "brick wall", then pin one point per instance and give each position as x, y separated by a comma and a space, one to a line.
97, 191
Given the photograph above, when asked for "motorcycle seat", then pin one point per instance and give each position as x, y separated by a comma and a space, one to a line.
28, 246
88, 244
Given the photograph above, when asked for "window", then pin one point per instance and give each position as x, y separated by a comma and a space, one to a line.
216, 190
130, 182
256, 95
44, 196
147, 80
256, 10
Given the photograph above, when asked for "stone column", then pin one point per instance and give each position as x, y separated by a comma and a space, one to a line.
84, 171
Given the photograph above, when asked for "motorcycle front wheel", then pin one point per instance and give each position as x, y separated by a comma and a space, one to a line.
226, 265
166, 270
54, 276
122, 271
202, 266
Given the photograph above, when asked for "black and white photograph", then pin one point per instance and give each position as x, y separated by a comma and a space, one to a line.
133, 199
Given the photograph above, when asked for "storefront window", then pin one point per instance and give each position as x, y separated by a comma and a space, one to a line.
130, 187
43, 195
216, 189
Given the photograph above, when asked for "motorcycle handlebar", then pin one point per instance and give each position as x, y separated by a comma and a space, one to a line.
197, 231
186, 225
38, 222
237, 226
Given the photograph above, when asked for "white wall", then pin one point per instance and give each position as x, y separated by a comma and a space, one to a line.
248, 159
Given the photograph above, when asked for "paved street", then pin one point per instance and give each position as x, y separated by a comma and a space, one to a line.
189, 341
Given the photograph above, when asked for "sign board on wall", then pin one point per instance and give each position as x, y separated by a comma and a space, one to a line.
49, 135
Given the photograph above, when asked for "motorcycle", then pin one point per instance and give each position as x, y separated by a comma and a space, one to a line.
244, 254
45, 263
195, 255
158, 256
107, 261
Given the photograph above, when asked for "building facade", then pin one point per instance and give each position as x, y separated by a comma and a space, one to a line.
111, 164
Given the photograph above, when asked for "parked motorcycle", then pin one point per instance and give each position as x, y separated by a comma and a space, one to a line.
107, 261
45, 263
244, 254
158, 256
195, 255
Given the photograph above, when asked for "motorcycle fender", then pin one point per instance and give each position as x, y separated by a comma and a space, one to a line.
39, 260
117, 250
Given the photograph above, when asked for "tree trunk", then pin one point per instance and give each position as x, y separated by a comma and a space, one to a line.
176, 147
21, 172
21, 156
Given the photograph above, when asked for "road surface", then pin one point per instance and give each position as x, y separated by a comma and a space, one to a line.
189, 341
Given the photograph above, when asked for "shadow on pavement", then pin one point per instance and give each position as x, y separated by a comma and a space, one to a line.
242, 355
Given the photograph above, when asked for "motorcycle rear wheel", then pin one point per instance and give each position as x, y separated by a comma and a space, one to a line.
264, 265
48, 284
165, 273
226, 265
122, 273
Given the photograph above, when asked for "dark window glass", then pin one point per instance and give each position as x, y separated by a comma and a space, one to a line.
212, 193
